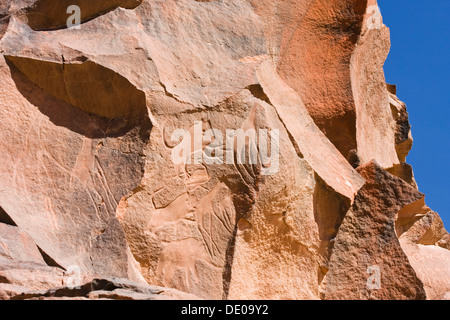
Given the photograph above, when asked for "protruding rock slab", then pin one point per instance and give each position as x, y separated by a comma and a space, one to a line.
48, 15
109, 289
375, 124
320, 153
367, 260
16, 245
92, 181
432, 266
426, 229
67, 167
30, 275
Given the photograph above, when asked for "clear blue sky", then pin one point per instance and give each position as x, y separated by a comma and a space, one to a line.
419, 65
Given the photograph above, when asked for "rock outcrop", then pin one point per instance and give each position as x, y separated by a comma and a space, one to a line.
232, 149
106, 289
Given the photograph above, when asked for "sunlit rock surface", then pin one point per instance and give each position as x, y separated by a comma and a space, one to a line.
89, 188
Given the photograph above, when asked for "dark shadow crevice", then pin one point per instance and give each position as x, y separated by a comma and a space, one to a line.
85, 97
48, 260
330, 209
47, 15
6, 219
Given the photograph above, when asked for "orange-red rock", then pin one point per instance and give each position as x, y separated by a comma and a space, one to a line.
367, 240
88, 181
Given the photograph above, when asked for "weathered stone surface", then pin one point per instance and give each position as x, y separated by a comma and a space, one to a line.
30, 275
9, 290
313, 42
193, 231
432, 266
367, 238
16, 245
323, 157
375, 125
47, 15
106, 289
426, 229
403, 135
88, 178
4, 17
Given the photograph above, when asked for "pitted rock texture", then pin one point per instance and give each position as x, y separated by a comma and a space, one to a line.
367, 238
88, 180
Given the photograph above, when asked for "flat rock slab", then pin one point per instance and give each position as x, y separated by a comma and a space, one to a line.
110, 289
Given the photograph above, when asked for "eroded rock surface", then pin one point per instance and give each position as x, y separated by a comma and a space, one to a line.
367, 240
89, 184
106, 289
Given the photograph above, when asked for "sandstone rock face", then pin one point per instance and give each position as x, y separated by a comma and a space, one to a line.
367, 238
106, 289
233, 149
